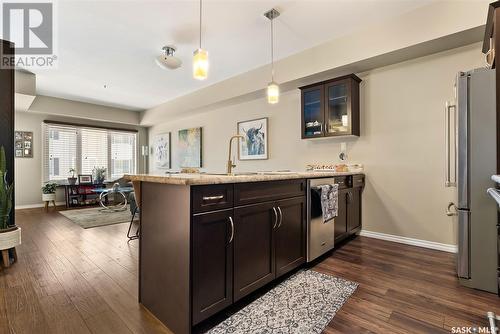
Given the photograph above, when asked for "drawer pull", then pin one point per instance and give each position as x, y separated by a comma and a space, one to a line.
212, 198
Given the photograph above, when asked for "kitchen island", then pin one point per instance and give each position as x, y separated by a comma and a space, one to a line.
209, 240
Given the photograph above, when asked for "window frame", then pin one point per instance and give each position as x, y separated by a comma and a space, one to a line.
46, 128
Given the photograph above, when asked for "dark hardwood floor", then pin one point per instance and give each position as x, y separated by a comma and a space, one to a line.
71, 280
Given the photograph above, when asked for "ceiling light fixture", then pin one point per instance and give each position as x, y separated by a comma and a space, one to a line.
168, 60
273, 90
200, 59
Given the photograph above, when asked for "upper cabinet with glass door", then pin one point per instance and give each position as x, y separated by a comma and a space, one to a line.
331, 108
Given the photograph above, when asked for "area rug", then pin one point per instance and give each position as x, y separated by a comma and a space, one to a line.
94, 217
304, 303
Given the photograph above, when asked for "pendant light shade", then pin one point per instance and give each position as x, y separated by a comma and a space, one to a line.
273, 93
200, 64
273, 90
200, 58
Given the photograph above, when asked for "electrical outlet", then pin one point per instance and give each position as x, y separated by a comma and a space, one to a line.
343, 151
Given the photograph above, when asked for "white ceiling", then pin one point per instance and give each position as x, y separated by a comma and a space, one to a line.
114, 43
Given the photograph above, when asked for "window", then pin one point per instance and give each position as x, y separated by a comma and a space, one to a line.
83, 149
60, 156
122, 153
94, 150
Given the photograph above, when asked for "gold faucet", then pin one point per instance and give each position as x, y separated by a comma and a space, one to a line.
230, 164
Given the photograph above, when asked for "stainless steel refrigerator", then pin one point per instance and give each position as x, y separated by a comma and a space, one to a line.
471, 160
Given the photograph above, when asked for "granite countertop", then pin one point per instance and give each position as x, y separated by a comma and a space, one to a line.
200, 179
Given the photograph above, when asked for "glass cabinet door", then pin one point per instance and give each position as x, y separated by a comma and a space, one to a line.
337, 114
312, 112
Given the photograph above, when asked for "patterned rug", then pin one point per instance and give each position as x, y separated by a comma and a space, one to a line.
304, 303
95, 217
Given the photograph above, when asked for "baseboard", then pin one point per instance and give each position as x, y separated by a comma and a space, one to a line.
410, 241
33, 206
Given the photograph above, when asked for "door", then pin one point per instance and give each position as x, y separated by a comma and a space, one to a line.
313, 112
463, 141
290, 235
341, 219
463, 256
354, 209
338, 108
212, 263
254, 262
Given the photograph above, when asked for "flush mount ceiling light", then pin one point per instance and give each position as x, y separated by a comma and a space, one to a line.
200, 59
273, 90
168, 60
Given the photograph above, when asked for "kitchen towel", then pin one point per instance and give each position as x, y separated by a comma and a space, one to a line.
329, 201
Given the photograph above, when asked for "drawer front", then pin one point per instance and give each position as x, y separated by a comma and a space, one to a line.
212, 197
255, 192
343, 181
358, 180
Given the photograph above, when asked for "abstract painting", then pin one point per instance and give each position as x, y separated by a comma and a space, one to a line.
190, 143
253, 146
162, 150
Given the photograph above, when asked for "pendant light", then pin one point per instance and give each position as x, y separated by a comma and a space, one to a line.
200, 59
273, 90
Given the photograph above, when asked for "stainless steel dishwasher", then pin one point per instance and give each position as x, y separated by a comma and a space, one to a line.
320, 235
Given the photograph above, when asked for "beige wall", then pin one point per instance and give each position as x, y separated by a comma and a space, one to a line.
28, 171
401, 142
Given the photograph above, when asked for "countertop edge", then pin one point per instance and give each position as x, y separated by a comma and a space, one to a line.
207, 179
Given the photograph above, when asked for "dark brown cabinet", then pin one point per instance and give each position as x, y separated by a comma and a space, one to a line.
212, 269
354, 207
239, 250
348, 221
269, 242
341, 219
254, 261
330, 108
290, 235
205, 247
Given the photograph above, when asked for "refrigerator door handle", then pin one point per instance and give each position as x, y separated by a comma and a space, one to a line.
450, 131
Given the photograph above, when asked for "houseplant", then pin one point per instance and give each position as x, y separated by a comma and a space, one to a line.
10, 236
72, 179
99, 174
49, 192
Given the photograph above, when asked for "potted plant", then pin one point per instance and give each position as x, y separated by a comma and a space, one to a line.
49, 192
99, 174
10, 236
72, 179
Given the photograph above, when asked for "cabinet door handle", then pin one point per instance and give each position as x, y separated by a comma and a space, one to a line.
232, 229
281, 216
212, 198
275, 218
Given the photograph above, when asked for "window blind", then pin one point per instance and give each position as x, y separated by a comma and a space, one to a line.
123, 153
82, 148
60, 152
94, 150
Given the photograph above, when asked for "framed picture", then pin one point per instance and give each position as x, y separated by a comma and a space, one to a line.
162, 150
190, 148
23, 143
254, 145
84, 179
